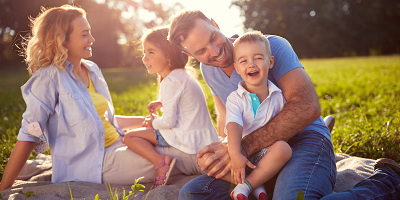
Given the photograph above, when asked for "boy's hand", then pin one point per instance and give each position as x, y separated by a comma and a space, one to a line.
153, 106
239, 163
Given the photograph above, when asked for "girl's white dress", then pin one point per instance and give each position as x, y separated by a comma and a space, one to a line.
185, 123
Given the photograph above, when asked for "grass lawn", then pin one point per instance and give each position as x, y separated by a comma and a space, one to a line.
360, 92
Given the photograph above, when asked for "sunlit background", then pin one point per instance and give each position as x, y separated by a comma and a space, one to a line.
356, 81
227, 16
315, 28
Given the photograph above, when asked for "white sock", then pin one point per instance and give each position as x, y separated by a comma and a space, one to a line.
242, 188
256, 192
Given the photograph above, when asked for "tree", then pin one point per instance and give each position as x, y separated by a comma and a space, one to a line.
108, 27
327, 28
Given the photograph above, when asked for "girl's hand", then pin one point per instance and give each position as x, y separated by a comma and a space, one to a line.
239, 163
154, 105
148, 120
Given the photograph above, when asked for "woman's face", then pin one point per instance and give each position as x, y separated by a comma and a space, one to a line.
154, 60
79, 43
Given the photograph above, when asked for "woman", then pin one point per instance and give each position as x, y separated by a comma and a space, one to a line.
69, 107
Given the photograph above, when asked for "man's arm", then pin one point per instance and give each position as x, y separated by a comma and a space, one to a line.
221, 115
302, 108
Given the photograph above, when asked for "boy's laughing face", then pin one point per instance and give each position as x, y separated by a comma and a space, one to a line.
252, 62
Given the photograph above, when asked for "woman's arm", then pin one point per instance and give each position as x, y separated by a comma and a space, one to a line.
18, 157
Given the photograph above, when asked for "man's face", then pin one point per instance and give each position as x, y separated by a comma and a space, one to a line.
208, 45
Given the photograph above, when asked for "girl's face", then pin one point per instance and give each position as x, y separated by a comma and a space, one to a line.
80, 41
155, 60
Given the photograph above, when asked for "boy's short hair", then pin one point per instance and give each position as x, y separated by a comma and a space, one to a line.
254, 36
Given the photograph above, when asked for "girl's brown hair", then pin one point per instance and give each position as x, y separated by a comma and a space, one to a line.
158, 37
50, 29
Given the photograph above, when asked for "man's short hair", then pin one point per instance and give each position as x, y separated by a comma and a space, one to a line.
254, 36
182, 23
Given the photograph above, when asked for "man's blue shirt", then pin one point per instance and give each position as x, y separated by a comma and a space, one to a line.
285, 59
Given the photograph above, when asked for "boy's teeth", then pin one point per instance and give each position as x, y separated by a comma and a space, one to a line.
252, 73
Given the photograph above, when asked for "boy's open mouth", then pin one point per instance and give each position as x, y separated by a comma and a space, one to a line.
253, 73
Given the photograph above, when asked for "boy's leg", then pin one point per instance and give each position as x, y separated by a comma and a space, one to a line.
270, 164
312, 168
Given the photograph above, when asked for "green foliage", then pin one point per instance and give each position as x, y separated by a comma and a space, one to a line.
318, 28
300, 195
27, 194
109, 27
361, 93
113, 195
70, 192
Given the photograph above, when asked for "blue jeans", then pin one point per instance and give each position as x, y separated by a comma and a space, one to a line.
160, 139
311, 168
383, 184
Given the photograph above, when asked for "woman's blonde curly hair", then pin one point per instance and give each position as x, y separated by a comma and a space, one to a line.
50, 29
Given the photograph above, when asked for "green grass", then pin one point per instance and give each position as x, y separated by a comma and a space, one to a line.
361, 93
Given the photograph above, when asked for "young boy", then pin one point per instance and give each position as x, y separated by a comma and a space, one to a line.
256, 101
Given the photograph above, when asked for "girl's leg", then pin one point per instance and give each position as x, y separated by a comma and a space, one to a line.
129, 122
142, 141
277, 156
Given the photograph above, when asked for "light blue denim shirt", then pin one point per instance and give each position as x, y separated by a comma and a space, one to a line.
62, 106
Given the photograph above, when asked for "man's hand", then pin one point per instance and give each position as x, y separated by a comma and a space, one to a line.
216, 159
239, 163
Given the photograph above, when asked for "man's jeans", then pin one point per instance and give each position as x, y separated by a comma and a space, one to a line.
311, 168
383, 184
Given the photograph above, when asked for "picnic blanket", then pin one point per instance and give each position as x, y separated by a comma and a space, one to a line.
36, 177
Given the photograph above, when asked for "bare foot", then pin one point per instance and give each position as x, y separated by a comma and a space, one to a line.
160, 171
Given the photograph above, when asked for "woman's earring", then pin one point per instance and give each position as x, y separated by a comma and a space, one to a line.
169, 63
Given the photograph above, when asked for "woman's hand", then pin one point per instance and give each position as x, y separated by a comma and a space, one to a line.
154, 105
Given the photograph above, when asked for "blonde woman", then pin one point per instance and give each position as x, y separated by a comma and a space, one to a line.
69, 108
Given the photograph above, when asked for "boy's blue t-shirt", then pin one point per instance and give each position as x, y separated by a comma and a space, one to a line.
285, 59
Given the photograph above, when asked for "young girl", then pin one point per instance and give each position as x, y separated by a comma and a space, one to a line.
185, 124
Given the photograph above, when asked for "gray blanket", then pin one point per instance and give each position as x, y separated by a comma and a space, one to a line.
36, 177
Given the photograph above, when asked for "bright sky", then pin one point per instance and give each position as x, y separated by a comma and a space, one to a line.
227, 18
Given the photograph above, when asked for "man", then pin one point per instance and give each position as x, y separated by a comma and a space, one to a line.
312, 167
